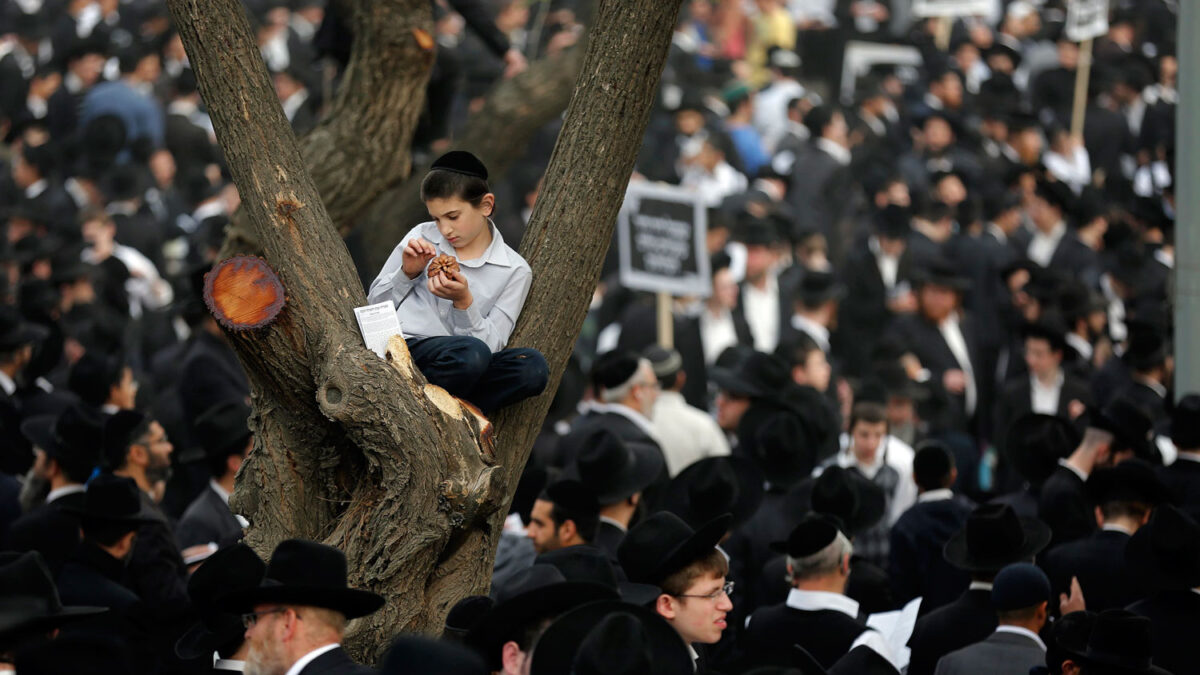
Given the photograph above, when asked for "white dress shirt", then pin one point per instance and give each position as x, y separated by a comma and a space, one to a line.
762, 313
1044, 399
687, 434
1018, 630
952, 333
889, 265
1042, 246
59, 493
717, 332
308, 658
7, 384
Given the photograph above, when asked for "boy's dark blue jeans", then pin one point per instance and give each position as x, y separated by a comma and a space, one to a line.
465, 367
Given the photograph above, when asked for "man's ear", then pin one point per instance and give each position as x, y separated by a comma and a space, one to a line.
1099, 516
511, 657
665, 606
567, 531
138, 454
488, 205
233, 463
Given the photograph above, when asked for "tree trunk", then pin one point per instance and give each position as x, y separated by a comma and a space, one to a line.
362, 146
498, 134
360, 452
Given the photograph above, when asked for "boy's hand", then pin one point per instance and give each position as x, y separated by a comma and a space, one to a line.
453, 287
417, 254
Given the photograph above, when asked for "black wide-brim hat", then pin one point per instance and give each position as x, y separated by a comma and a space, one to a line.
714, 486
759, 376
305, 573
994, 537
30, 600
850, 497
1133, 480
941, 272
614, 469
1121, 643
113, 500
1034, 443
1166, 550
229, 570
556, 649
663, 544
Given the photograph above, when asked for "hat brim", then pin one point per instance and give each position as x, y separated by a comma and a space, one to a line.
677, 498
648, 465
703, 540
48, 622
556, 649
350, 602
490, 634
1037, 535
872, 505
40, 431
729, 380
200, 641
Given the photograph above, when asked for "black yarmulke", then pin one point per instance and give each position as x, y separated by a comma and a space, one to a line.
461, 161
614, 369
812, 535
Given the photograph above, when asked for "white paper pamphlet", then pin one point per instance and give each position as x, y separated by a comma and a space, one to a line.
378, 323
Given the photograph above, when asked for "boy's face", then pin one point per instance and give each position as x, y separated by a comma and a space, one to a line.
867, 437
698, 619
458, 220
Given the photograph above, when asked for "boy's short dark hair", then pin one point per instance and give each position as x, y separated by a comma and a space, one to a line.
712, 564
795, 351
867, 411
441, 184
932, 465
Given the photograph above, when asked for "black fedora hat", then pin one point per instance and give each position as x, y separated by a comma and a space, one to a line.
30, 601
1166, 550
663, 543
857, 502
780, 442
223, 427
1034, 443
1130, 425
614, 470
305, 572
416, 655
1133, 480
612, 638
113, 500
1185, 423
465, 615
16, 332
538, 592
758, 376
232, 569
1120, 644
893, 221
72, 436
995, 536
817, 287
714, 486
940, 271
1049, 327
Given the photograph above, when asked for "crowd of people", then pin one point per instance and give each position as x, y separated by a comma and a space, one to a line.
932, 380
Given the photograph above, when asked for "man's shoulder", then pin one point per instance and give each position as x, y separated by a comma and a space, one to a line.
336, 662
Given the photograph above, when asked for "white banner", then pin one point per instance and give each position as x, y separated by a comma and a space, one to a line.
1086, 19
926, 8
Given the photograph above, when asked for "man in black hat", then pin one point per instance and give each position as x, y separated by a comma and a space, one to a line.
994, 537
565, 514
821, 180
686, 564
1122, 643
1166, 554
17, 340
524, 607
146, 288
815, 308
415, 655
32, 611
612, 638
617, 473
1124, 496
227, 440
1053, 245
1120, 431
1021, 597
295, 619
219, 636
761, 301
1182, 477
916, 566
817, 615
1148, 355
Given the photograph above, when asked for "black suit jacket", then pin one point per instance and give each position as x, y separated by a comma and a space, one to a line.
863, 317
1175, 621
924, 340
1099, 563
825, 634
608, 538
1065, 507
335, 662
211, 374
1155, 405
915, 564
1017, 400
1182, 478
967, 620
208, 519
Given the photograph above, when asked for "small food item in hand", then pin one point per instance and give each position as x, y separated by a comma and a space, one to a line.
443, 263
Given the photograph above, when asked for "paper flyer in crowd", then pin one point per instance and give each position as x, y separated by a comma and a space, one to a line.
378, 323
896, 627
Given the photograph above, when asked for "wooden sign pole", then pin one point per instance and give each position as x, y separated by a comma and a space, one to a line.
666, 320
1083, 72
945, 25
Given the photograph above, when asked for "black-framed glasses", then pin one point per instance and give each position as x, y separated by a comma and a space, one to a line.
726, 590
248, 620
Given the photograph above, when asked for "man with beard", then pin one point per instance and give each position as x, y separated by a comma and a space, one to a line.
296, 617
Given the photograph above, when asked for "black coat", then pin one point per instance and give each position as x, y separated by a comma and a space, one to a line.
211, 374
1065, 507
608, 538
967, 620
156, 571
1175, 623
1017, 400
93, 578
825, 634
922, 338
863, 317
1182, 478
1099, 563
335, 662
46, 528
1155, 405
208, 519
749, 545
916, 565
821, 194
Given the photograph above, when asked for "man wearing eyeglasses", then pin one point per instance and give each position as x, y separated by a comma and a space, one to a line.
296, 618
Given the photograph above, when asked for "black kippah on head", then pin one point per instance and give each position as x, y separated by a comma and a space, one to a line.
461, 161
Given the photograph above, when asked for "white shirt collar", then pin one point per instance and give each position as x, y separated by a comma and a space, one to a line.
216, 487
228, 664
1079, 344
1188, 455
109, 409
1113, 527
59, 493
693, 655
819, 333
1073, 469
7, 384
628, 413
837, 152
996, 231
308, 658
847, 460
610, 521
812, 601
1018, 630
1152, 386
939, 495
36, 188
980, 586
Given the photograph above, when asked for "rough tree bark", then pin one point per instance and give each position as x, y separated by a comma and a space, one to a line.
360, 452
362, 145
499, 134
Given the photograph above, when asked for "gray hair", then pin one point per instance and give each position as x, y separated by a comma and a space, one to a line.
621, 392
823, 562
